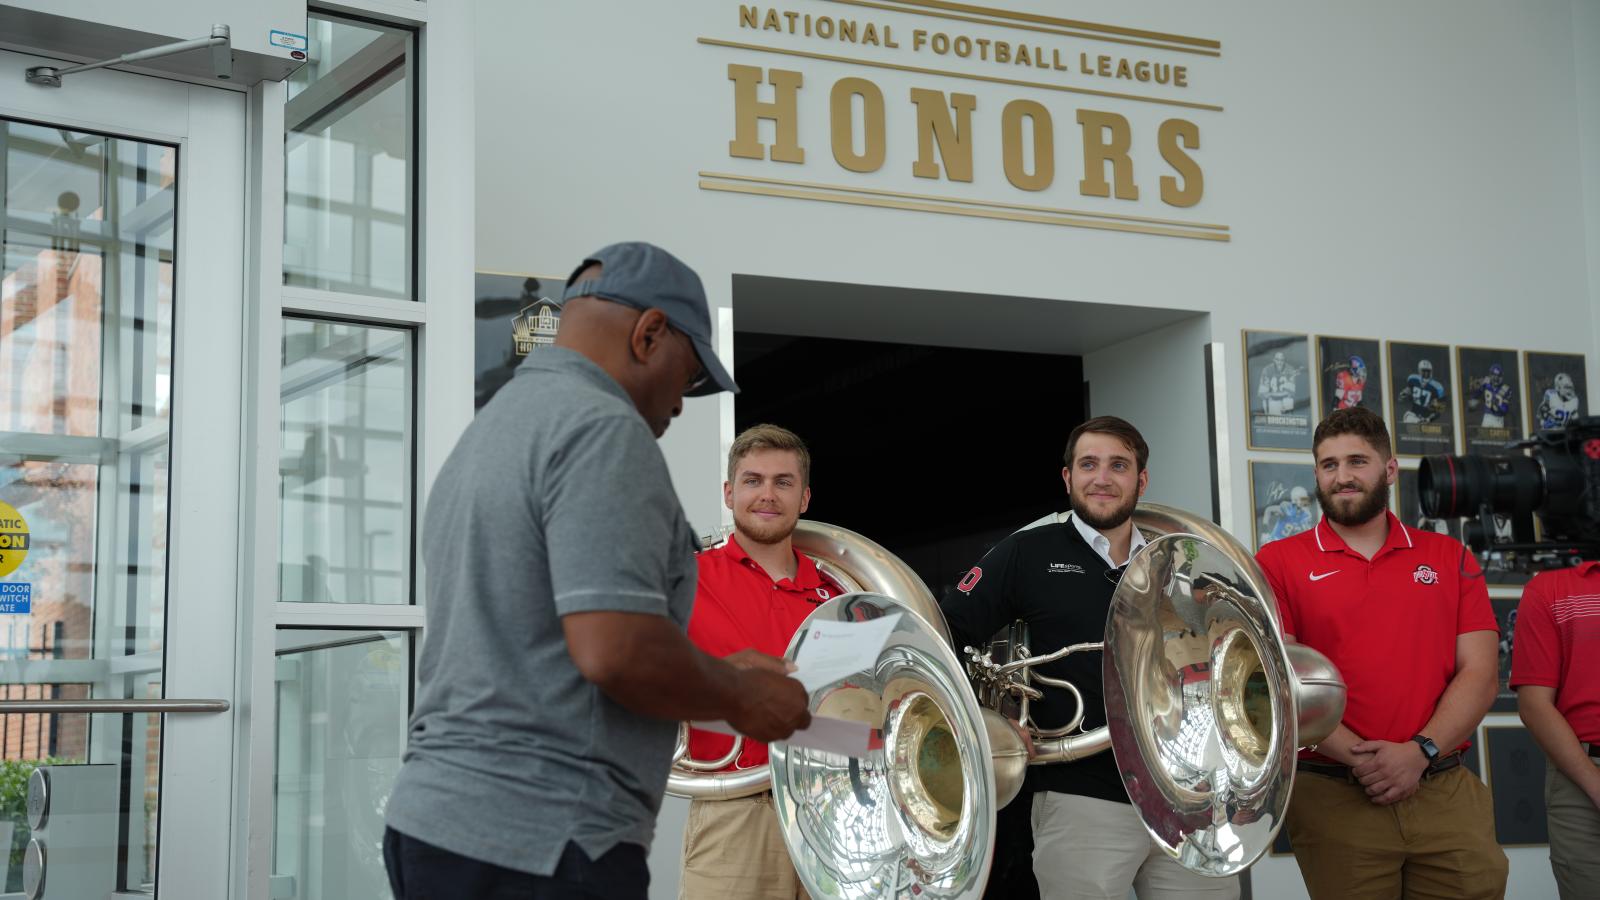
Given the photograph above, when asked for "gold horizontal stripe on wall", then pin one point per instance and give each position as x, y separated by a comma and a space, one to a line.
800, 190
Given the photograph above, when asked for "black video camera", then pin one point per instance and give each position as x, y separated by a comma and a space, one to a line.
1559, 481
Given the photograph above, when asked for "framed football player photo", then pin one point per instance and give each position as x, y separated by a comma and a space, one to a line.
1408, 508
515, 315
1350, 374
1505, 615
1278, 390
1515, 775
1556, 385
1284, 498
1490, 390
1424, 420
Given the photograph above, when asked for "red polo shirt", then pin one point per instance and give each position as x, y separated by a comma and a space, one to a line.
1557, 643
738, 606
1389, 623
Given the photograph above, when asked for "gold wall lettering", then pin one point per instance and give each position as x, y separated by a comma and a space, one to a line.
1044, 145
934, 125
1106, 139
1174, 132
1035, 55
942, 121
945, 137
780, 109
844, 139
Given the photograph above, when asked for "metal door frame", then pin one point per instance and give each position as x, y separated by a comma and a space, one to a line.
209, 127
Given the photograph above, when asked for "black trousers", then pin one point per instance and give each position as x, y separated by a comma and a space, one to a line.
420, 871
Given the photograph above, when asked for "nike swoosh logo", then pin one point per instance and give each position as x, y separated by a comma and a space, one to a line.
1317, 577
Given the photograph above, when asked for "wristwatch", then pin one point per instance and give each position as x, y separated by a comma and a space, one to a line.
1429, 748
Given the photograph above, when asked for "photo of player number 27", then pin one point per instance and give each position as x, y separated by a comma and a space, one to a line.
1420, 400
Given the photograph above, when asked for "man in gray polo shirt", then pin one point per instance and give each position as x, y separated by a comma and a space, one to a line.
560, 575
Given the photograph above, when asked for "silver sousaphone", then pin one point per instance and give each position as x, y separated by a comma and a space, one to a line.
855, 564
1205, 707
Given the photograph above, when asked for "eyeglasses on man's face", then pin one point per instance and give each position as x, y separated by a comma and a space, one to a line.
701, 375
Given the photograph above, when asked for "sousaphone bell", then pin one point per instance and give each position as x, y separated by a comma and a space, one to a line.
1205, 706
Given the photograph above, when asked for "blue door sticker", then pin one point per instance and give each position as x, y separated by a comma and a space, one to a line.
16, 599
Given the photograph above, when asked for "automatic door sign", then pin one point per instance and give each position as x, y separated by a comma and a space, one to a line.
13, 539
16, 599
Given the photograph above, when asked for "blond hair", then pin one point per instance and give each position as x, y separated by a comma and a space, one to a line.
769, 437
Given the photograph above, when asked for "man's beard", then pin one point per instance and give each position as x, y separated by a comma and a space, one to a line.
1107, 522
761, 532
1368, 506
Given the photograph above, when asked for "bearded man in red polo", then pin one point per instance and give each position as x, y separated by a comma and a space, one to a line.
1383, 808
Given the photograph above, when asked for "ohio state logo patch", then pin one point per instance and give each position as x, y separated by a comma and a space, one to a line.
1425, 575
971, 581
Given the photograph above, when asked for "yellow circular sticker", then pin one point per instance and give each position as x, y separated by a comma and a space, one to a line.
13, 539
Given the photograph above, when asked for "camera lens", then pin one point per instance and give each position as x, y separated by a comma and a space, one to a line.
1453, 486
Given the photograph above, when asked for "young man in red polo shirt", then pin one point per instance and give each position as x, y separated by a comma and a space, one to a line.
754, 593
1383, 808
1555, 669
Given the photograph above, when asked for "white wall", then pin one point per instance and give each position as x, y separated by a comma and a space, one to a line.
1383, 175
1586, 55
1156, 382
1423, 171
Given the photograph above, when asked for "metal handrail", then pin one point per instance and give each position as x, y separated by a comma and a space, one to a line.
113, 706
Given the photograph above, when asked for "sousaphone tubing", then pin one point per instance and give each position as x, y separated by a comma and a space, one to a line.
1205, 708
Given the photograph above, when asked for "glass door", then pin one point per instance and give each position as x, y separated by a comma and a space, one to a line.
118, 479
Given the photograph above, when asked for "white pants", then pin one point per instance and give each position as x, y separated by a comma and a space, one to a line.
1089, 849
1490, 420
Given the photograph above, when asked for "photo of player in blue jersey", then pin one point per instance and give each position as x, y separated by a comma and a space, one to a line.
1556, 385
1423, 420
1491, 402
1284, 496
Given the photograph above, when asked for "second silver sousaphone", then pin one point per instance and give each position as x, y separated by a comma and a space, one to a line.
1206, 706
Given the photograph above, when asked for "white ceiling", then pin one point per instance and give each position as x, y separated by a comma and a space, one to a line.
938, 318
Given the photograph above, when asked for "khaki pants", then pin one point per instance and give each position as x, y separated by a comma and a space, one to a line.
1090, 849
733, 850
1574, 835
1437, 843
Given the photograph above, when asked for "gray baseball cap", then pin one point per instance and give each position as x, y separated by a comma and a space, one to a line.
645, 276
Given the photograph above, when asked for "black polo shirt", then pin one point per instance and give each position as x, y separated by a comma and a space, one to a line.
1052, 579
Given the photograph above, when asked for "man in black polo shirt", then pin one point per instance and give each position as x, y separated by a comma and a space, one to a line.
1088, 840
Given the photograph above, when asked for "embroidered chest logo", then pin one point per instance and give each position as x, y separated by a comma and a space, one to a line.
1065, 569
971, 581
822, 592
1425, 575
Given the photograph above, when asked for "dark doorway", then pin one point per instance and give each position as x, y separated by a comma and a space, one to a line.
934, 452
